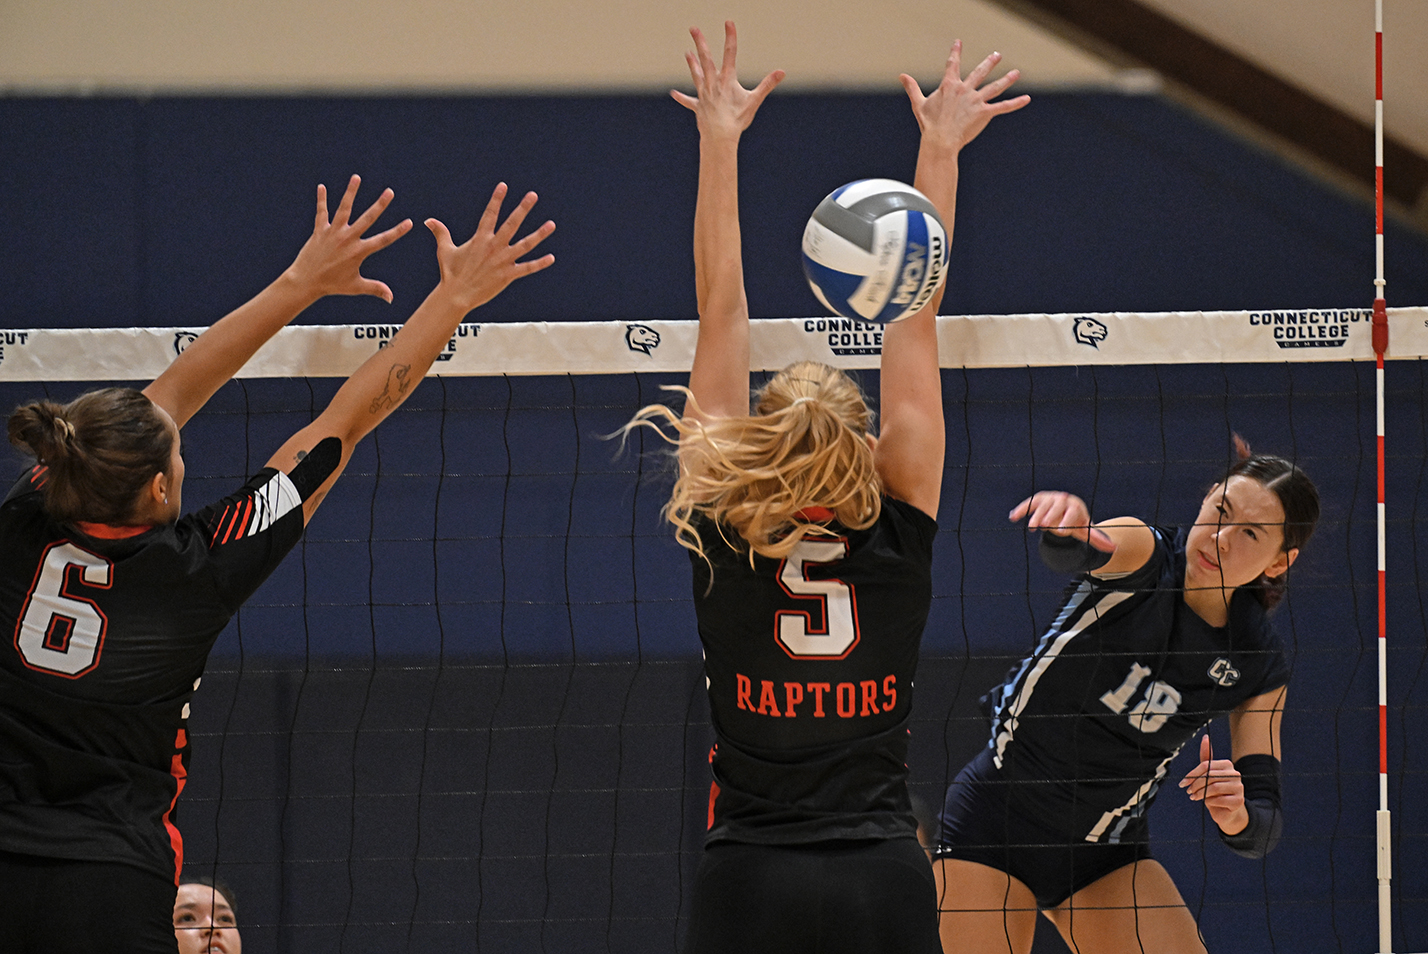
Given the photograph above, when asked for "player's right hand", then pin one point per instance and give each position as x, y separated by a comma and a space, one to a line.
330, 262
723, 107
1061, 513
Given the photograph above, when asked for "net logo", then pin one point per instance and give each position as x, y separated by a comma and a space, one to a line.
182, 340
641, 338
1309, 329
12, 338
847, 336
383, 335
1088, 331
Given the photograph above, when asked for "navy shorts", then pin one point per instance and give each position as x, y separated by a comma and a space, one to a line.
980, 824
849, 897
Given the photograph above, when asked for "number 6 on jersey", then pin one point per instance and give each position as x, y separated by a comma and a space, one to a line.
838, 605
59, 632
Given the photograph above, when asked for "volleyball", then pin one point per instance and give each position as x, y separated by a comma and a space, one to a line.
875, 250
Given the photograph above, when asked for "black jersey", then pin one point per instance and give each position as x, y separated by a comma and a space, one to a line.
809, 663
106, 637
1125, 676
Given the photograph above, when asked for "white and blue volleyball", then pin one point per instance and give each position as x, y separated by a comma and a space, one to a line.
875, 250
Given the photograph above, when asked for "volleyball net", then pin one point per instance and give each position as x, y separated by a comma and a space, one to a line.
468, 712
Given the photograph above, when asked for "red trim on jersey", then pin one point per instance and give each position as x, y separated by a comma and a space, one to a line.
108, 531
38, 471
815, 514
217, 528
246, 521
180, 775
713, 786
230, 517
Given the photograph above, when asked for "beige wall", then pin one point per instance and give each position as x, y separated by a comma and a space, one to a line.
528, 44
1326, 47
565, 45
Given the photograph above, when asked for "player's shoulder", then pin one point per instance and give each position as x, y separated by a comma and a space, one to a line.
28, 486
909, 522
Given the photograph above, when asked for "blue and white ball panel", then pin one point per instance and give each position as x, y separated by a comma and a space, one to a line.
855, 192
875, 250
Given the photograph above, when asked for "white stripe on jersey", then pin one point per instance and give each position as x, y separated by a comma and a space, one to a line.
1149, 787
271, 502
1107, 601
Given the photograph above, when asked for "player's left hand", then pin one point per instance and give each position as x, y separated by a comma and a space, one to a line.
481, 267
957, 111
1217, 783
330, 262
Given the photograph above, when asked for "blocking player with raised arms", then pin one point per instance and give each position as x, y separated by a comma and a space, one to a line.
114, 597
1161, 633
811, 545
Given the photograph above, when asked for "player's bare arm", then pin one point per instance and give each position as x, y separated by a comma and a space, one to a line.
472, 273
723, 109
913, 437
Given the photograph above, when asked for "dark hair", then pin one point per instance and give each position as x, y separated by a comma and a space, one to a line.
217, 884
102, 449
1297, 496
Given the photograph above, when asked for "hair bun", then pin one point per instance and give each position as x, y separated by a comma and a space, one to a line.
1242, 447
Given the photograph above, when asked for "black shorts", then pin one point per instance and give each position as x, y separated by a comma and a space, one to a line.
980, 824
862, 897
58, 906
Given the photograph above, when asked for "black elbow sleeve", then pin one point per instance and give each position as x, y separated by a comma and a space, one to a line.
313, 470
1070, 555
1260, 775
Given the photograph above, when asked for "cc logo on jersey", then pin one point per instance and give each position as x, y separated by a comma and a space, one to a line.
1223, 673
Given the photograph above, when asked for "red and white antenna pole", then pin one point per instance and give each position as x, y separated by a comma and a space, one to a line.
1380, 345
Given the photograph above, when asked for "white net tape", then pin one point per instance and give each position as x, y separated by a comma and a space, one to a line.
616, 347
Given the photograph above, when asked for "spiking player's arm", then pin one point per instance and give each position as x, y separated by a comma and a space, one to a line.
1072, 543
330, 263
912, 439
471, 275
724, 109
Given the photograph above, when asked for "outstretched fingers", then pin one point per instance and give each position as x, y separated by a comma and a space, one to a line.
344, 208
766, 86
731, 46
952, 72
373, 212
518, 215
703, 59
320, 221
492, 212
981, 71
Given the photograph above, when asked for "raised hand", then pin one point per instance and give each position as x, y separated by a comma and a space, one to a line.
330, 262
480, 269
1063, 514
957, 110
721, 105
1217, 783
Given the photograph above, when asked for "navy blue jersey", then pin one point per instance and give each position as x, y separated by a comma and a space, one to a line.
810, 662
1124, 677
107, 633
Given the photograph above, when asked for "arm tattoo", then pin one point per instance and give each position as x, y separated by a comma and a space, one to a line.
395, 390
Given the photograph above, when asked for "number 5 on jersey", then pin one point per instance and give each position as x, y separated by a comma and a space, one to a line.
58, 631
838, 607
